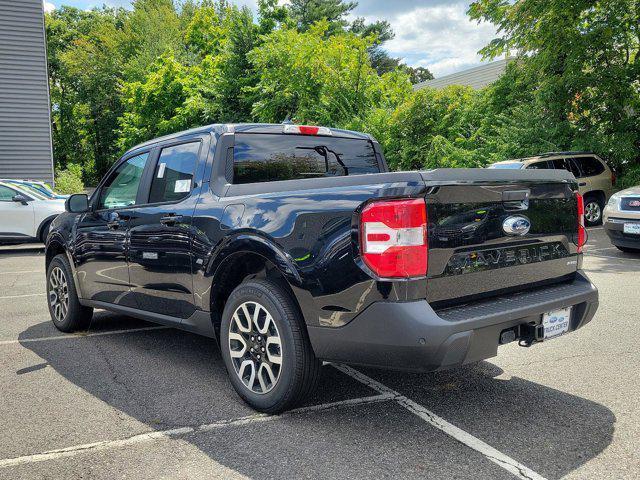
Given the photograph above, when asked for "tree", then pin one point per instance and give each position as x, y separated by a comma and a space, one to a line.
306, 13
583, 58
310, 77
418, 74
85, 73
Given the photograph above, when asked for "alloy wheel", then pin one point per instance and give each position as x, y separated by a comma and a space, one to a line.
58, 294
255, 347
592, 212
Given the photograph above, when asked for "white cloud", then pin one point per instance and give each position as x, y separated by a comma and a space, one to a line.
439, 36
48, 6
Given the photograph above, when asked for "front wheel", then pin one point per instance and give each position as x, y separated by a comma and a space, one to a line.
265, 347
64, 307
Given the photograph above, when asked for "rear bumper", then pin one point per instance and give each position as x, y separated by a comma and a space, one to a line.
614, 228
412, 336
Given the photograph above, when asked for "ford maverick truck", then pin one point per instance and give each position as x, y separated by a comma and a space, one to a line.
292, 245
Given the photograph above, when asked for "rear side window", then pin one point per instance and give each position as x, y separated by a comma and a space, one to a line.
173, 178
590, 166
567, 164
269, 158
539, 166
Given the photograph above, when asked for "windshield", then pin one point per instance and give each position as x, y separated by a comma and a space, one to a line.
513, 166
30, 191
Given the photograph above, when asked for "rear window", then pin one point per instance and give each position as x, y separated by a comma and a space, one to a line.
590, 166
269, 158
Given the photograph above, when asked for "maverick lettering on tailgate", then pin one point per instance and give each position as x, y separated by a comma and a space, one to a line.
479, 260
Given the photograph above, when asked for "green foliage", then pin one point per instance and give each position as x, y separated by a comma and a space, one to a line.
69, 180
583, 64
119, 77
631, 178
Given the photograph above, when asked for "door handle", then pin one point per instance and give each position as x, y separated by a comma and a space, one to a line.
171, 219
582, 184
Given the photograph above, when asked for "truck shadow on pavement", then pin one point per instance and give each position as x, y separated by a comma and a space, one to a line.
166, 379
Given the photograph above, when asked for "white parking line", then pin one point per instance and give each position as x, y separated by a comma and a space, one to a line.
81, 335
23, 296
497, 457
178, 432
22, 271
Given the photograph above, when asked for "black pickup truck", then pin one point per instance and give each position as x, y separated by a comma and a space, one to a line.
293, 245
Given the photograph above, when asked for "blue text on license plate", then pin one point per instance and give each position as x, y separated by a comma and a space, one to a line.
556, 322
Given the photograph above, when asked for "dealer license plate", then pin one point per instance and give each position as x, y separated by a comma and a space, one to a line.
632, 228
556, 323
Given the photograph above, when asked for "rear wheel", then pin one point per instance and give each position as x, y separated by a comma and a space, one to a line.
265, 347
64, 307
592, 211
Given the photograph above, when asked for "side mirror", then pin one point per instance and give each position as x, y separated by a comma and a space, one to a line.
77, 203
20, 198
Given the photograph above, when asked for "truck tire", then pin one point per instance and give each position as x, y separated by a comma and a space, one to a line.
64, 307
265, 347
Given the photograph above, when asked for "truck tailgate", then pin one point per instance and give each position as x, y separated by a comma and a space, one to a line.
491, 232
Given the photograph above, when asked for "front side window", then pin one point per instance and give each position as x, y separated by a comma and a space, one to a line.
590, 166
6, 194
121, 189
173, 178
269, 157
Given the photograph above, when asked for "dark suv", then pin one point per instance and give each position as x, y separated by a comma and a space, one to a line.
294, 244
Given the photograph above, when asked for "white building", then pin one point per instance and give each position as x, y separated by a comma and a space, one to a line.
476, 77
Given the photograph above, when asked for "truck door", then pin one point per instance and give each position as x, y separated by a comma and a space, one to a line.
101, 234
160, 232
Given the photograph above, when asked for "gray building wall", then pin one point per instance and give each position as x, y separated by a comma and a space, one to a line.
25, 127
476, 77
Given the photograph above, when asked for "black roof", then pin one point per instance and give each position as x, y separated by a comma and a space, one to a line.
219, 129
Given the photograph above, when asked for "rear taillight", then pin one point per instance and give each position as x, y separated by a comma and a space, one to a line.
582, 233
613, 178
394, 238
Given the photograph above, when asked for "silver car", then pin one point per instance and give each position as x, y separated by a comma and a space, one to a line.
622, 219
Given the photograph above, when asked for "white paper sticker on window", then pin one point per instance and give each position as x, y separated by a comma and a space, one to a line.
161, 168
182, 186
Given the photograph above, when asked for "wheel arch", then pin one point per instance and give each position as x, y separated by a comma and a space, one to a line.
250, 258
43, 224
598, 194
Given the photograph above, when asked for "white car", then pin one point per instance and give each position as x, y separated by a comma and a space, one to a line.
25, 215
622, 220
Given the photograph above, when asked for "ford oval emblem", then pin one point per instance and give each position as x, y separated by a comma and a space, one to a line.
516, 225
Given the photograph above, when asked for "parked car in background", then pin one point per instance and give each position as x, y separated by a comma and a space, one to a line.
595, 177
622, 219
40, 187
295, 244
25, 214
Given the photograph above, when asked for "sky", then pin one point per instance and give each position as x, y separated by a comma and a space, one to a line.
436, 34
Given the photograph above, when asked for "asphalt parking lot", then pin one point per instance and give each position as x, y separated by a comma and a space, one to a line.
129, 399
